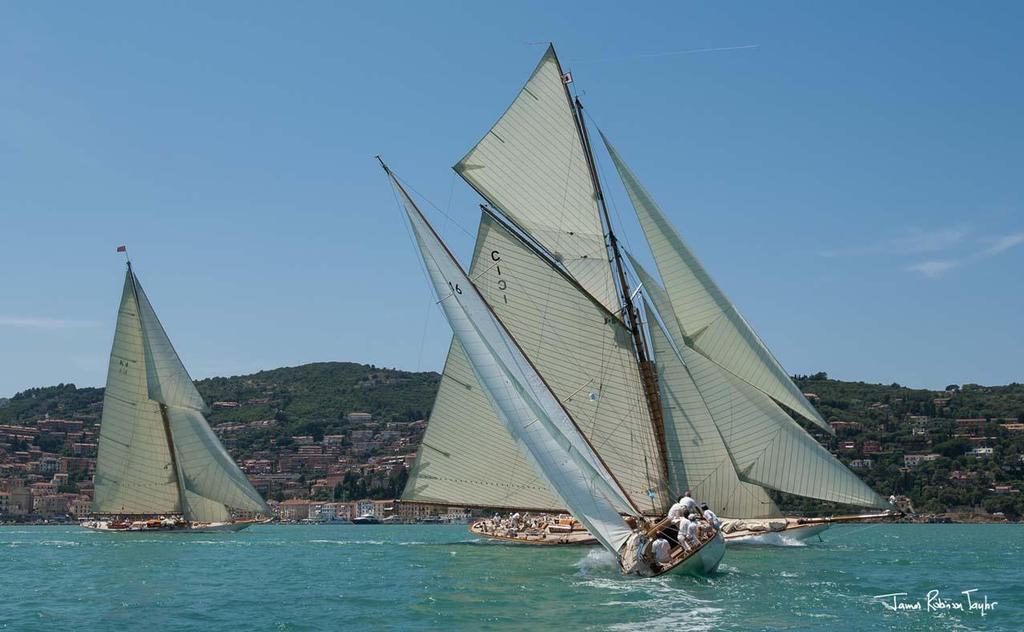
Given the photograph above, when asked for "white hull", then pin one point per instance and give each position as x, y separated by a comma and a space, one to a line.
706, 560
777, 538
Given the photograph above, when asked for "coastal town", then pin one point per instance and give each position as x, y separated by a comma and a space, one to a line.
47, 467
312, 468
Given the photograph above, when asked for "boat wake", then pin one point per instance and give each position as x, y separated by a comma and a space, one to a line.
768, 539
598, 560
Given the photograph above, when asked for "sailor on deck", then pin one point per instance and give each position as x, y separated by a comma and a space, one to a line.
662, 550
689, 503
687, 532
711, 517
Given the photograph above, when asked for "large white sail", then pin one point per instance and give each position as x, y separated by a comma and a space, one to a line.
765, 446
698, 458
711, 324
134, 468
531, 413
532, 165
467, 456
584, 353
169, 382
206, 469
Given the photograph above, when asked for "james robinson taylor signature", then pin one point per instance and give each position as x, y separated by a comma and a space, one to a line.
934, 602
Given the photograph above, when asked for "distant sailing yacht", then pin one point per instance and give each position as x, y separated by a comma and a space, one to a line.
160, 466
697, 407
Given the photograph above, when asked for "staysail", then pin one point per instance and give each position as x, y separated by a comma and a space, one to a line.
710, 322
160, 415
765, 445
532, 166
530, 411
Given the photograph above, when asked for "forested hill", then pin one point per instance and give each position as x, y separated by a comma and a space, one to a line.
323, 392
961, 448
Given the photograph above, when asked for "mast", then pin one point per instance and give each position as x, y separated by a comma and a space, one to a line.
648, 374
163, 408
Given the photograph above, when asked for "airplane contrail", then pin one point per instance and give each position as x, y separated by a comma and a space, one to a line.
688, 51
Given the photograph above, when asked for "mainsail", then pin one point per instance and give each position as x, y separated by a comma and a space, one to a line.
584, 353
710, 323
532, 166
531, 413
157, 454
467, 457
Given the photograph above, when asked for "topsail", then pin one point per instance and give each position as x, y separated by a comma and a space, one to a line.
532, 166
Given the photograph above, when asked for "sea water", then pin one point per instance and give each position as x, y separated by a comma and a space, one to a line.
277, 577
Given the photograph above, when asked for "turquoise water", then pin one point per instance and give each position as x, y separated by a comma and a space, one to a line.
274, 577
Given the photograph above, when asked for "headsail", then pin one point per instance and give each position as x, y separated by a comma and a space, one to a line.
206, 469
532, 165
525, 404
711, 324
765, 445
699, 460
134, 472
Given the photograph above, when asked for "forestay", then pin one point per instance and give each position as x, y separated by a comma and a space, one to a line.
532, 165
711, 324
523, 402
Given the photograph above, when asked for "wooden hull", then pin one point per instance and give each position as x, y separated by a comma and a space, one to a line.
573, 538
195, 527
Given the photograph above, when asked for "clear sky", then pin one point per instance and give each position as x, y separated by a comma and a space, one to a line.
851, 175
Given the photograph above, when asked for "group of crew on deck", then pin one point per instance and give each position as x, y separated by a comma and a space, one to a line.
522, 524
690, 525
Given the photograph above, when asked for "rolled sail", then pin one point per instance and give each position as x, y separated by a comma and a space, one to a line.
711, 324
529, 410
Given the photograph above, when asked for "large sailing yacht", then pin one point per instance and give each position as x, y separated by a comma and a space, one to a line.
686, 398
547, 434
160, 466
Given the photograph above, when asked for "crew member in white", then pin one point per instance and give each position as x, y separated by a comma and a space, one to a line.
711, 517
688, 502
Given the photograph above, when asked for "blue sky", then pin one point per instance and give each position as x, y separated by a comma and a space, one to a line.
851, 175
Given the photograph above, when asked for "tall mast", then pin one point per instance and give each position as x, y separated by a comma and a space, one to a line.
630, 313
163, 408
